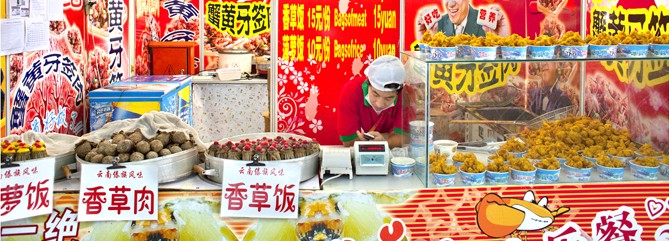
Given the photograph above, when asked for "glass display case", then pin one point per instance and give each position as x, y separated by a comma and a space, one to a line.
474, 106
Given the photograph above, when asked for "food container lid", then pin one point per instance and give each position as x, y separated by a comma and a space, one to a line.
234, 51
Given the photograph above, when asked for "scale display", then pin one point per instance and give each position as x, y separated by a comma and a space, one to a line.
371, 148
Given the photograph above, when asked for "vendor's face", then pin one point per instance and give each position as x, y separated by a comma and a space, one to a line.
548, 74
381, 99
457, 10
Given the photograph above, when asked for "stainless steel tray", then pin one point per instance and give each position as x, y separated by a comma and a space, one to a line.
214, 166
170, 168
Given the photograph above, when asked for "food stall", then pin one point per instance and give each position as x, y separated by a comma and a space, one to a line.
507, 139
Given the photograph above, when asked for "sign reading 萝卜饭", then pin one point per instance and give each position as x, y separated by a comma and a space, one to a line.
471, 78
26, 189
239, 19
128, 193
269, 191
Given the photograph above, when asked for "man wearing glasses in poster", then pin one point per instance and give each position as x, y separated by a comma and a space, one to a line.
462, 20
371, 108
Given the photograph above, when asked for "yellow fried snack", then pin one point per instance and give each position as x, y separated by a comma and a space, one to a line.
501, 156
544, 40
648, 150
548, 164
427, 37
438, 164
662, 39
515, 40
665, 159
594, 151
462, 157
602, 39
647, 161
579, 162
441, 40
571, 38
462, 39
472, 166
513, 145
497, 166
620, 151
522, 164
610, 162
635, 37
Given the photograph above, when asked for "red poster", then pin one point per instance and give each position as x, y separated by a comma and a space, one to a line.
179, 20
631, 94
47, 88
323, 45
147, 30
107, 43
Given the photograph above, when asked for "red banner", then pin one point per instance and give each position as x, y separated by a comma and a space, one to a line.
322, 46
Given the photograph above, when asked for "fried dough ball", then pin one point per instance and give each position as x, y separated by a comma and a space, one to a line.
647, 161
143, 147
83, 148
136, 156
472, 166
571, 38
462, 157
156, 145
123, 157
544, 40
548, 164
497, 166
125, 146
579, 162
648, 150
513, 145
522, 164
136, 136
179, 137
610, 162
151, 155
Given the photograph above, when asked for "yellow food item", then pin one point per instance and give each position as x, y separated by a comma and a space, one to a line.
462, 157
438, 164
502, 156
441, 40
648, 150
472, 166
620, 151
427, 37
602, 39
513, 145
665, 159
544, 40
515, 40
540, 152
579, 162
462, 39
571, 38
610, 162
594, 151
647, 161
522, 164
497, 166
662, 39
548, 164
635, 37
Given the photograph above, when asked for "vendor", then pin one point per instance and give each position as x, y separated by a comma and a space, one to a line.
373, 105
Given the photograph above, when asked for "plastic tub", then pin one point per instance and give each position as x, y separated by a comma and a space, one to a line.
402, 166
442, 53
484, 53
547, 176
523, 177
603, 51
472, 179
496, 177
623, 159
644, 172
633, 50
518, 154
509, 52
577, 174
542, 52
463, 51
591, 159
443, 179
424, 48
659, 50
561, 160
574, 52
610, 173
664, 169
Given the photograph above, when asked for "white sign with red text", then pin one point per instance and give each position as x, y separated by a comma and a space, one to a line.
129, 193
27, 190
430, 18
269, 191
487, 17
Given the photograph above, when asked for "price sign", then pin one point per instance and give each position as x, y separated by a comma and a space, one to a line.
430, 18
27, 189
488, 17
269, 191
129, 193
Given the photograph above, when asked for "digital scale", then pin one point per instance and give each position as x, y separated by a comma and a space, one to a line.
371, 157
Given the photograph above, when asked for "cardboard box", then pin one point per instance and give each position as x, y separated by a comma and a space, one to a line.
132, 97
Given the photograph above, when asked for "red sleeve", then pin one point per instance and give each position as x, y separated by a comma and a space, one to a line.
347, 112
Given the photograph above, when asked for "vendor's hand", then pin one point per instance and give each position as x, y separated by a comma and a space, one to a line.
503, 26
377, 136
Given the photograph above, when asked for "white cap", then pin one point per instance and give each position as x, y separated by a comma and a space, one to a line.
384, 70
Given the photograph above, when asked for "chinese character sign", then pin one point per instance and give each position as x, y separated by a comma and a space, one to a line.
26, 190
269, 191
129, 193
